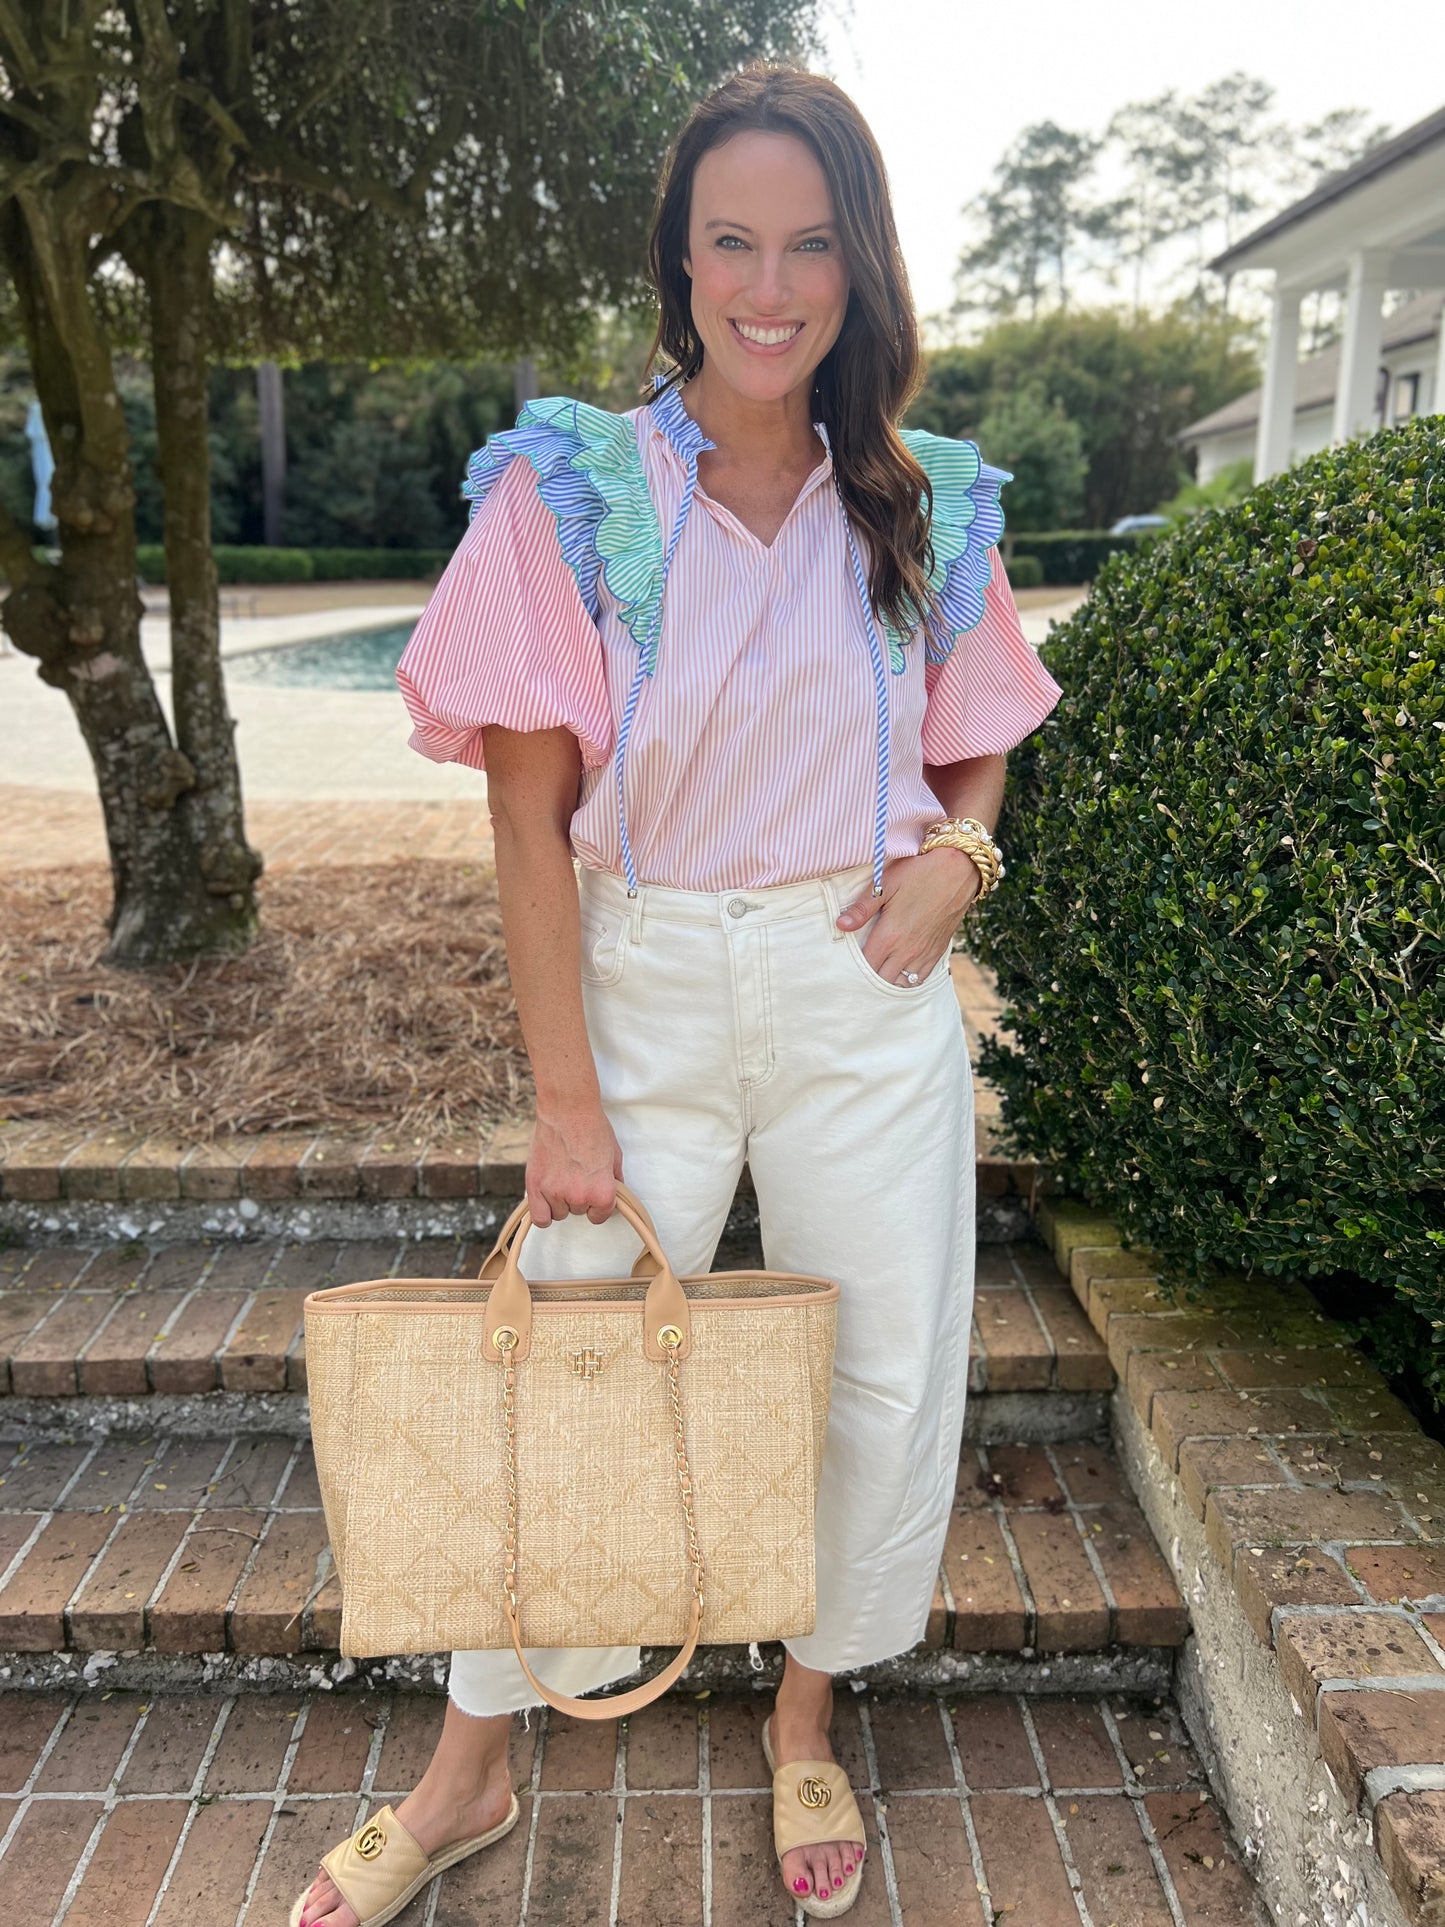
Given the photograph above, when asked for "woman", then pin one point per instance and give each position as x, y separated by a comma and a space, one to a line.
722, 650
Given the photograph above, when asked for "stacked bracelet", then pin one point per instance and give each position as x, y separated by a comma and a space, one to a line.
966, 833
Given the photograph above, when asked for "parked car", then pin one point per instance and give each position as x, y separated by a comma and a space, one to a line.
1136, 524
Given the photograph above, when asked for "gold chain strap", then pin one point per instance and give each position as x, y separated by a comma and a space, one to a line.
684, 1475
506, 1342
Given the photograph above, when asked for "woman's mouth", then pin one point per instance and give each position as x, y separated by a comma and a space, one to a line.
773, 338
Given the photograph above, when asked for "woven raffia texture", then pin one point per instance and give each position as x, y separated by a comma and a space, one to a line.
407, 1419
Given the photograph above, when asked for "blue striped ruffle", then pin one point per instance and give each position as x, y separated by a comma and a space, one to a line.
590, 476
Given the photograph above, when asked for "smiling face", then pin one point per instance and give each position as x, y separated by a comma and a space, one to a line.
769, 282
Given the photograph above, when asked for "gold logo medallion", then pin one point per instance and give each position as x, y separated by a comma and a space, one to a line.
370, 1841
813, 1793
587, 1364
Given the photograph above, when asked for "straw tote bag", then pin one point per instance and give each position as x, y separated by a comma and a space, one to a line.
608, 1462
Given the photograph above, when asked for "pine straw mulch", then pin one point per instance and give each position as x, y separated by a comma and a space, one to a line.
374, 994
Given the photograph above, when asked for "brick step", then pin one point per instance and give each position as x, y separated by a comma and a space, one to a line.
136, 1321
190, 1547
39, 1165
215, 1808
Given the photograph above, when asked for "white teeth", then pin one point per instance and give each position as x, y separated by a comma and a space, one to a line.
766, 337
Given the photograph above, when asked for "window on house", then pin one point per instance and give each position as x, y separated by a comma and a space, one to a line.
1407, 397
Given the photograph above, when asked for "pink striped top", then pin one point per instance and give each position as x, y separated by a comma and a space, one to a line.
752, 754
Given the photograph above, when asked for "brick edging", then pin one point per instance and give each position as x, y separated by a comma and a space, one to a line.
41, 1165
1323, 1506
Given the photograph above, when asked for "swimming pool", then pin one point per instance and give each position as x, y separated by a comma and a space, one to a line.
366, 659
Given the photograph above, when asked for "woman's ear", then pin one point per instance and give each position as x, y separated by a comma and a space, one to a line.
687, 266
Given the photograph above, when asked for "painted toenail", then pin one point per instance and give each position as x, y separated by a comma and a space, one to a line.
822, 1893
800, 1886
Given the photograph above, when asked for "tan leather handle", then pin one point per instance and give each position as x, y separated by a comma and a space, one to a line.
509, 1303
620, 1705
649, 1256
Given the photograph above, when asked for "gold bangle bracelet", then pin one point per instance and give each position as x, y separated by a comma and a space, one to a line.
968, 835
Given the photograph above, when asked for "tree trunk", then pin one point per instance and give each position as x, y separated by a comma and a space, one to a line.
175, 261
271, 404
81, 620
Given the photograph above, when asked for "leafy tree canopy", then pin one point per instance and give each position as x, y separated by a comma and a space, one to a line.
1168, 183
1043, 450
1130, 385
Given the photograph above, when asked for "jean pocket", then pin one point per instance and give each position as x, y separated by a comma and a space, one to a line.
906, 993
604, 945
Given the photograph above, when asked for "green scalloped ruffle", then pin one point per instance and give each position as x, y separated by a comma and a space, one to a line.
626, 534
967, 523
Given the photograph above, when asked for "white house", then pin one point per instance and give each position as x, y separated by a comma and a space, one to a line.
1376, 230
1408, 383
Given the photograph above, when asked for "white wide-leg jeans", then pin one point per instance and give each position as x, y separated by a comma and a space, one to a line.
745, 1025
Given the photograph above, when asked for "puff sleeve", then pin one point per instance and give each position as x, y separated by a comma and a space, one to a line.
991, 690
506, 637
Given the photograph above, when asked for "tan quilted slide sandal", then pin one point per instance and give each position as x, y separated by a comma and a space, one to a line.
813, 1806
380, 1870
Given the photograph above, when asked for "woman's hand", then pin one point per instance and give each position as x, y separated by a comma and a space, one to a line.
574, 1164
915, 918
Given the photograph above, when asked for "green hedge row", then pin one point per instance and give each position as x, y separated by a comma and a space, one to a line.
1221, 944
306, 565
1071, 556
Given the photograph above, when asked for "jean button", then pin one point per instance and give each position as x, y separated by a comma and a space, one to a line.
737, 908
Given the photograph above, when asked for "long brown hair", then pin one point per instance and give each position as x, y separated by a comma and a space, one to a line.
871, 373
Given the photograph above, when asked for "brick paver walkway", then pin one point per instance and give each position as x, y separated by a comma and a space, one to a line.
212, 1812
40, 828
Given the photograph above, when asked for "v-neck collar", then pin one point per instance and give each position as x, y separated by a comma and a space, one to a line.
687, 441
683, 434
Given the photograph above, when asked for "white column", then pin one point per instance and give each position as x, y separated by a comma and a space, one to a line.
1435, 405
1275, 435
1360, 345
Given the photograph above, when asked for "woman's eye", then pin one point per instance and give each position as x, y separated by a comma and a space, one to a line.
818, 241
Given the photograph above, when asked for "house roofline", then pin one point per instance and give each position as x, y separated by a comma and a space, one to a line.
1391, 153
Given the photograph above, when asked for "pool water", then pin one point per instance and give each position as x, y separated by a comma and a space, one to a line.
366, 659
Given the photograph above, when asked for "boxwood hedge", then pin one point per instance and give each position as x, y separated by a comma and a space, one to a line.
1221, 942
305, 565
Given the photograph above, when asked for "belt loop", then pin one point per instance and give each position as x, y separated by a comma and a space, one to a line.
833, 905
635, 903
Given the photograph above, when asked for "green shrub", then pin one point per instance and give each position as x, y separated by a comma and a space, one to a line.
1025, 572
1231, 484
389, 565
234, 564
1222, 937
306, 565
1071, 556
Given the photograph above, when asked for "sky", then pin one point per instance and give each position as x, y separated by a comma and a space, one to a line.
946, 85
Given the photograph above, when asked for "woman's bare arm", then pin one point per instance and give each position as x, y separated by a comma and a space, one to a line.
532, 779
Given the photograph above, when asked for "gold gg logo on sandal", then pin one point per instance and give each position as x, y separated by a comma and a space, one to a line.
370, 1841
813, 1793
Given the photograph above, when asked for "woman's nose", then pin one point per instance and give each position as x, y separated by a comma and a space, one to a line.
770, 288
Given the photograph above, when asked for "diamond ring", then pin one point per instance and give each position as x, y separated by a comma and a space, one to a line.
909, 976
